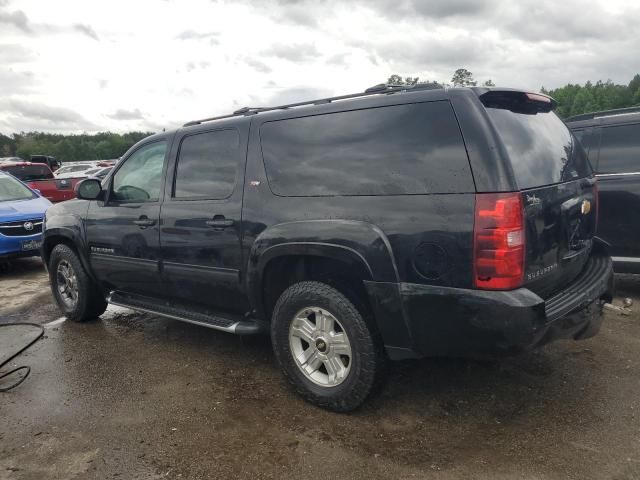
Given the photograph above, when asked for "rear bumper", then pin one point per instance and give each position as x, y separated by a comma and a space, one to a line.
423, 320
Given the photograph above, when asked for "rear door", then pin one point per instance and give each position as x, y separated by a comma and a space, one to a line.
559, 195
201, 219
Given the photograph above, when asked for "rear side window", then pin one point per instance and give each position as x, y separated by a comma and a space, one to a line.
28, 173
207, 165
541, 148
396, 150
620, 149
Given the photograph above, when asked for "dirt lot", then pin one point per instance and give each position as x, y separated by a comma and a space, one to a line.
136, 396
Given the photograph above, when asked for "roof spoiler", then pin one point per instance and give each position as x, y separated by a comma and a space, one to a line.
517, 101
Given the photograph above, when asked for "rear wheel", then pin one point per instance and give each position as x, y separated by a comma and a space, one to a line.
75, 292
325, 347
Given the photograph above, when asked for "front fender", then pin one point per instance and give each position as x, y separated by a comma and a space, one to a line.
63, 223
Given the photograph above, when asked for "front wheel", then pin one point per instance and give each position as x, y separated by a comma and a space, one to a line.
325, 347
74, 291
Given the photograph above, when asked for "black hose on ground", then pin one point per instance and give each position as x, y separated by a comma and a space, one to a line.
24, 368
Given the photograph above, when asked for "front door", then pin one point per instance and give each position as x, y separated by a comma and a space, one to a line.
123, 231
201, 223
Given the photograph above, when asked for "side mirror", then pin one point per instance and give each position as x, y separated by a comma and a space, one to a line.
89, 189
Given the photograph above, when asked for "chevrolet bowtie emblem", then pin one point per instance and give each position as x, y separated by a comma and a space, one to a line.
585, 207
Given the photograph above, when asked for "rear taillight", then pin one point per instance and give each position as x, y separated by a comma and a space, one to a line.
499, 242
537, 97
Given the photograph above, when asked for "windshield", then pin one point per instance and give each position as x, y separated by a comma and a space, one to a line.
541, 148
28, 173
11, 190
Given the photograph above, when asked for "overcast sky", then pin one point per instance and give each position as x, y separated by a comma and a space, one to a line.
88, 65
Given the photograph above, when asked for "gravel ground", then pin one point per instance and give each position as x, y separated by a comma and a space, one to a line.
141, 397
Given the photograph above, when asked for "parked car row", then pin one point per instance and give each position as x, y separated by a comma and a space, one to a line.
59, 185
84, 170
39, 177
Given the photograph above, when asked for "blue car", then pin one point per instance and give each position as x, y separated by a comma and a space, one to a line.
21, 215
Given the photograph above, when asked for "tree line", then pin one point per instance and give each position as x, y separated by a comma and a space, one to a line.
573, 99
69, 148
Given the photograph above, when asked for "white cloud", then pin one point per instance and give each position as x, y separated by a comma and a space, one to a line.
154, 64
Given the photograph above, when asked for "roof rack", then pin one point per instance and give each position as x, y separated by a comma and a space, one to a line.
382, 88
604, 113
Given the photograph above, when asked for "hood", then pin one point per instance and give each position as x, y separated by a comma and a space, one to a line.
23, 209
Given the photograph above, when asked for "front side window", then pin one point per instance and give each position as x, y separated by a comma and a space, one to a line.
207, 165
619, 149
140, 177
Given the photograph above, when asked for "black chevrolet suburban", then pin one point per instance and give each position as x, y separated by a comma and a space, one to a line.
395, 223
612, 142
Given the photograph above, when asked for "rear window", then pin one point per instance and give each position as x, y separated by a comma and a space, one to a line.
395, 150
28, 173
620, 149
541, 148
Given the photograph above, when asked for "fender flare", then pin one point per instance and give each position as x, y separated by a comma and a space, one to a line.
70, 236
255, 272
359, 244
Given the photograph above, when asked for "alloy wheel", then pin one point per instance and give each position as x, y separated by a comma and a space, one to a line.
67, 283
320, 346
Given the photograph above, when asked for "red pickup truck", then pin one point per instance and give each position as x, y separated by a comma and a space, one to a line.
40, 177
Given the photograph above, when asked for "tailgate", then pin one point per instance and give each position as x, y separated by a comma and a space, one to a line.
559, 192
560, 222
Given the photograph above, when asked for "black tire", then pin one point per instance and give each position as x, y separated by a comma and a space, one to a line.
367, 363
90, 301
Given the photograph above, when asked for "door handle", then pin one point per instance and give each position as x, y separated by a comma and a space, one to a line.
144, 222
219, 221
